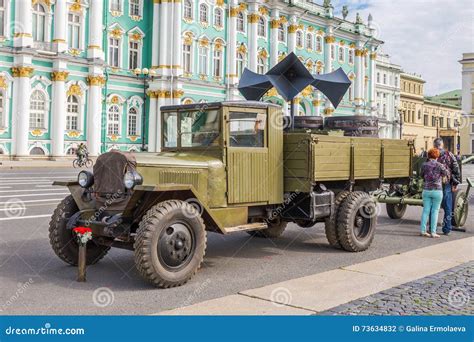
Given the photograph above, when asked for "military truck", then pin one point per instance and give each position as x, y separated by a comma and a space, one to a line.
226, 167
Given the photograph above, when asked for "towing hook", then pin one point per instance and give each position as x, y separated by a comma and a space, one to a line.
112, 221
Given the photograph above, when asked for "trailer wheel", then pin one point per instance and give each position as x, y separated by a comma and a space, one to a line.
356, 222
396, 211
64, 242
170, 244
275, 229
460, 209
330, 226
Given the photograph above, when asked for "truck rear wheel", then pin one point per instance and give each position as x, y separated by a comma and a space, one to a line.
64, 242
395, 211
356, 222
330, 226
275, 229
170, 243
460, 209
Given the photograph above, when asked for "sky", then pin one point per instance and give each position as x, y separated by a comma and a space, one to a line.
425, 37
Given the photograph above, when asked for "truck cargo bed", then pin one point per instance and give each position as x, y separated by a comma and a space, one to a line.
310, 158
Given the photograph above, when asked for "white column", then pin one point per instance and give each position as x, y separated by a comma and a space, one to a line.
161, 101
96, 12
155, 49
292, 27
58, 123
253, 19
21, 110
23, 24
231, 73
164, 37
372, 99
359, 81
94, 114
329, 41
175, 41
274, 24
60, 26
152, 133
317, 104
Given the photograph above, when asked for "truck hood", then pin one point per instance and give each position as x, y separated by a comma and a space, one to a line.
177, 159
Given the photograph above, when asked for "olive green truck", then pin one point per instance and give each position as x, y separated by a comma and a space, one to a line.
226, 167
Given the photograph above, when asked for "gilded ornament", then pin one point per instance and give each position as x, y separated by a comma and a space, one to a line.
74, 89
22, 71
253, 18
59, 75
3, 82
329, 39
96, 80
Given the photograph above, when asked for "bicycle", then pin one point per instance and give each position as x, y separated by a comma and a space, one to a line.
81, 162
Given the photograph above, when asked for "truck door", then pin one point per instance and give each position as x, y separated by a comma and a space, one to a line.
247, 155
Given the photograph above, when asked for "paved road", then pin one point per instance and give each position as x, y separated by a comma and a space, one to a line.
449, 292
34, 281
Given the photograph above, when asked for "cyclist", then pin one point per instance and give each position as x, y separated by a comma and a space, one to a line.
82, 153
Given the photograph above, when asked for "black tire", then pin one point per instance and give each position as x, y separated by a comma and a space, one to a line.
274, 230
330, 225
356, 222
460, 209
396, 211
170, 244
64, 242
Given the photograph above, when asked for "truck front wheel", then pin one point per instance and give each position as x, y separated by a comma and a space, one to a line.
356, 222
64, 242
170, 244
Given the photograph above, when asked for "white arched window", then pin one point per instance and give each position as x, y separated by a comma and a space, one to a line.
309, 41
116, 5
217, 60
187, 58
188, 9
132, 122
239, 63
203, 58
72, 117
261, 29
351, 56
319, 43
74, 30
341, 54
261, 66
218, 17
135, 8
281, 33
114, 52
240, 22
39, 23
203, 14
299, 38
134, 54
3, 18
113, 120
2, 109
37, 110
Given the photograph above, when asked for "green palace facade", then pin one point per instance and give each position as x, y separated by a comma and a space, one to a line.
98, 71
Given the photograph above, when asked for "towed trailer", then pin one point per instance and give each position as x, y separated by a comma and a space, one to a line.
398, 197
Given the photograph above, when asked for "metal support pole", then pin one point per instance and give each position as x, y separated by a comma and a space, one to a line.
292, 114
144, 113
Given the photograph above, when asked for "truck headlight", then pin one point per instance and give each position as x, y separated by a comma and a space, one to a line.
131, 179
85, 179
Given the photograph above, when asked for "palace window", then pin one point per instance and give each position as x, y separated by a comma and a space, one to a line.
240, 22
39, 23
261, 66
378, 77
135, 8
384, 78
133, 55
299, 39
37, 110
384, 109
113, 120
333, 52
132, 121
116, 5
72, 117
203, 14
351, 56
309, 41
281, 33
2, 18
203, 56
218, 17
217, 60
114, 52
74, 30
187, 64
341, 54
239, 61
188, 10
261, 31
319, 43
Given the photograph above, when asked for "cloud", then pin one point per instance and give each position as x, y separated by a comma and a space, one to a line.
425, 37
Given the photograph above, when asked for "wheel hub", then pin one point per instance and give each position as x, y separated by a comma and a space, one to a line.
175, 245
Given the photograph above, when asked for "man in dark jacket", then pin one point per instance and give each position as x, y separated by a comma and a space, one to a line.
450, 186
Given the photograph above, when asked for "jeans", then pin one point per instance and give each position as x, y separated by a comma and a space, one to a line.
431, 204
447, 207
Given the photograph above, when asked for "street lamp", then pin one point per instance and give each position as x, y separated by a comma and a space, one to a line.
457, 126
145, 74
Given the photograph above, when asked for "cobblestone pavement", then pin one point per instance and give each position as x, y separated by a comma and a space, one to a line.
450, 292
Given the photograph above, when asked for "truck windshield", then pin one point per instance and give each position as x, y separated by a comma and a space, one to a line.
191, 129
